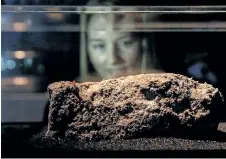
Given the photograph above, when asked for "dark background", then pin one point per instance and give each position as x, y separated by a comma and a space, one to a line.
61, 56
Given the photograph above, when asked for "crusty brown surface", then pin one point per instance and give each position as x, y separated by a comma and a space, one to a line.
132, 106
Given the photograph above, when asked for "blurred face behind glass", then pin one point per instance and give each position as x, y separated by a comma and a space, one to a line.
113, 53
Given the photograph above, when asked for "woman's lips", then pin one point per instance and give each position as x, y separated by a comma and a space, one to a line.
117, 73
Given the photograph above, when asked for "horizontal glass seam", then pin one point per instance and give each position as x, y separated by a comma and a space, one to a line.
115, 9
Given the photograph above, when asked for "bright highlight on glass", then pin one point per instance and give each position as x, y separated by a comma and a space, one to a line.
20, 54
10, 64
20, 81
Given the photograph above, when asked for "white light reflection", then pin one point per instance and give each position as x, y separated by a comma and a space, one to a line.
20, 54
10, 64
3, 66
19, 26
20, 81
28, 62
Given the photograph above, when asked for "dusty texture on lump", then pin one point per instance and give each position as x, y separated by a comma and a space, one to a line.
132, 106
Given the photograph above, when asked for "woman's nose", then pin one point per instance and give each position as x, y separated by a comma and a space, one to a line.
113, 56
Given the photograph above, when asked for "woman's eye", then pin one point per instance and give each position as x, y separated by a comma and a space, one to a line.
99, 47
128, 43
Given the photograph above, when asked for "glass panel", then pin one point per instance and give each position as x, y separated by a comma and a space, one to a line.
44, 44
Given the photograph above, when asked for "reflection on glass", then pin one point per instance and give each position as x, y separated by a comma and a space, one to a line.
41, 68
3, 66
112, 52
10, 64
19, 26
20, 54
28, 63
20, 81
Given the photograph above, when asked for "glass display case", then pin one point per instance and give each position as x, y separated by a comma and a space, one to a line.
45, 44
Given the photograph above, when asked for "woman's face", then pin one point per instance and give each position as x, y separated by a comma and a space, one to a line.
113, 53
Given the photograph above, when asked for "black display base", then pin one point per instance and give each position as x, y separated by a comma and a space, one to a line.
118, 154
209, 145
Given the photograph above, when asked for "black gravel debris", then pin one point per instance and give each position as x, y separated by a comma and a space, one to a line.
209, 145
